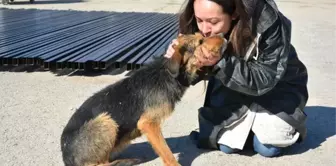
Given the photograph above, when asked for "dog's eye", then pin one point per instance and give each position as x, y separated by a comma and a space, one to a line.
201, 41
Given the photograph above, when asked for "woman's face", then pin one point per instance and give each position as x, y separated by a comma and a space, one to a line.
210, 18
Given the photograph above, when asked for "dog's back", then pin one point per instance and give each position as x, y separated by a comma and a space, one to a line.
117, 108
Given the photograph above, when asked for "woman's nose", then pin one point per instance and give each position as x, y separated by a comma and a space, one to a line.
206, 30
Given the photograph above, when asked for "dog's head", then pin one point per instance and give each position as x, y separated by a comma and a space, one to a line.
183, 57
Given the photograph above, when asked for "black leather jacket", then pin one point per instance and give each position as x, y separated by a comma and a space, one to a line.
275, 80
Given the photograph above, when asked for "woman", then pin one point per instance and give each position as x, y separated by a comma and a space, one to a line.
258, 89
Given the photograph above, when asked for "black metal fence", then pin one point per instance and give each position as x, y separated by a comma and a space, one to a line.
83, 40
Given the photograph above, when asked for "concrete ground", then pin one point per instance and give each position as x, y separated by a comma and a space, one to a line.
34, 106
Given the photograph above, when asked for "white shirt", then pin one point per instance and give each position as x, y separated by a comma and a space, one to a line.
268, 128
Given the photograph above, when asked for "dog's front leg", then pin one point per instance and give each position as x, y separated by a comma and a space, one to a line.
152, 130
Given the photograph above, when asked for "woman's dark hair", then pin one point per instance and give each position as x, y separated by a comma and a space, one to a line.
242, 33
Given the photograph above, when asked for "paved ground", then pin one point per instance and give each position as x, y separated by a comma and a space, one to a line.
35, 106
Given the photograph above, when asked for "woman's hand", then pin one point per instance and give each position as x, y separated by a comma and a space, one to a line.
170, 51
205, 58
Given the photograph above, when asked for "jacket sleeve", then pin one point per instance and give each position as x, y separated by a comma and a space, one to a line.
257, 76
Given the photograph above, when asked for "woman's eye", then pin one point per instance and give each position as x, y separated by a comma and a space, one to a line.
214, 23
198, 20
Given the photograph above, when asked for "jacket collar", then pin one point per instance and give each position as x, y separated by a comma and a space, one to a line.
268, 14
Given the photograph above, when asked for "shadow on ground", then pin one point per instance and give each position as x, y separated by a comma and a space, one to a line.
320, 125
182, 145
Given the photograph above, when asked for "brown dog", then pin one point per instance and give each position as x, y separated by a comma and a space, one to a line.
111, 118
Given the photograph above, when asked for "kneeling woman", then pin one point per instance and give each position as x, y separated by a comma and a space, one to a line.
259, 86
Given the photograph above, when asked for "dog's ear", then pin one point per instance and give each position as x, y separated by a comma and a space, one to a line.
173, 68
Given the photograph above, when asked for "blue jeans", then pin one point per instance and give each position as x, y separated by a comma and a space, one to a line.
264, 150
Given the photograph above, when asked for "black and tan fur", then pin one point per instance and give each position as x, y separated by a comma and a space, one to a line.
137, 105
